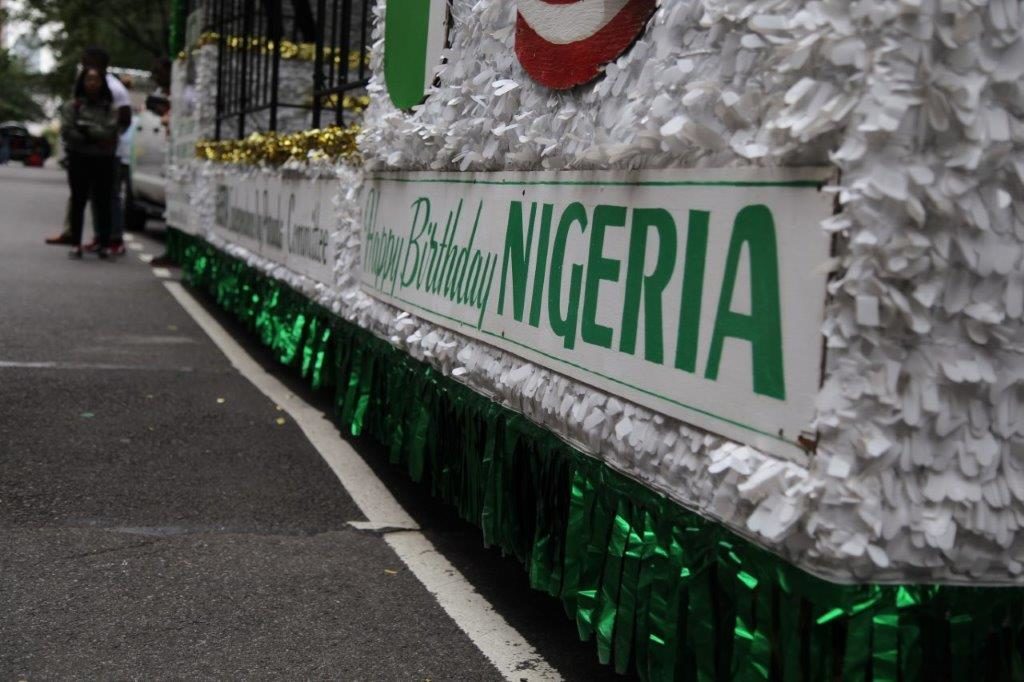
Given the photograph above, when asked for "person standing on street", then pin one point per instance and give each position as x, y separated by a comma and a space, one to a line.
89, 130
98, 58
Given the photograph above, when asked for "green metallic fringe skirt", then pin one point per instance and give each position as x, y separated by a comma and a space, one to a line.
661, 591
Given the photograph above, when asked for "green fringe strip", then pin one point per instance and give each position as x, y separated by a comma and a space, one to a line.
659, 590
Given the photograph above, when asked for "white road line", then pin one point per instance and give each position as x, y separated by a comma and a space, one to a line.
15, 364
162, 272
378, 527
129, 237
145, 257
503, 646
27, 365
135, 246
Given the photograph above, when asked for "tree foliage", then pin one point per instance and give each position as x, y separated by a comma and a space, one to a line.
134, 32
16, 90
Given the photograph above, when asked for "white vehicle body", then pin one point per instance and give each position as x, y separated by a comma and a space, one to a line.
148, 161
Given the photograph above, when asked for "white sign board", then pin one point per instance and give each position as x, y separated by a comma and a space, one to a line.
184, 124
184, 128
289, 221
699, 294
178, 212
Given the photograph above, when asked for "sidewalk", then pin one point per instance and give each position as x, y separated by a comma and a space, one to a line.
160, 517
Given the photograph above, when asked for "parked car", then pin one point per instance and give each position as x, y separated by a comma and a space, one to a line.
25, 147
143, 192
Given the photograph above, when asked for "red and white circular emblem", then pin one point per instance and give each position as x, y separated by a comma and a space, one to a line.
563, 43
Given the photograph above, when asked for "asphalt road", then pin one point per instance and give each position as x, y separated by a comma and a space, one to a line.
160, 518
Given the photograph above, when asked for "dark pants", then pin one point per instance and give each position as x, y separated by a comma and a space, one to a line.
117, 209
91, 178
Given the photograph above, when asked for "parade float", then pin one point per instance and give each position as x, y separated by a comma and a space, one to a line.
708, 311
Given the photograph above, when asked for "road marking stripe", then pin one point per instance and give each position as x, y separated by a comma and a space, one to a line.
16, 364
373, 526
162, 272
145, 257
128, 237
135, 246
503, 646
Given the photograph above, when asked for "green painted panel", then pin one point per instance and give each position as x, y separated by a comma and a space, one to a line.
406, 29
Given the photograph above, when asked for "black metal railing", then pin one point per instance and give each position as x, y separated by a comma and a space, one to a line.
341, 66
323, 49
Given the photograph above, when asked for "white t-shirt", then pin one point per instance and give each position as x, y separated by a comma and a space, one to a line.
121, 99
124, 144
118, 92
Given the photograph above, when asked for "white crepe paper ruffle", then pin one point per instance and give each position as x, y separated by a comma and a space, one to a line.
919, 104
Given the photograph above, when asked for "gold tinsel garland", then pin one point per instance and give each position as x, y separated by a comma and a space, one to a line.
275, 149
289, 50
351, 103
